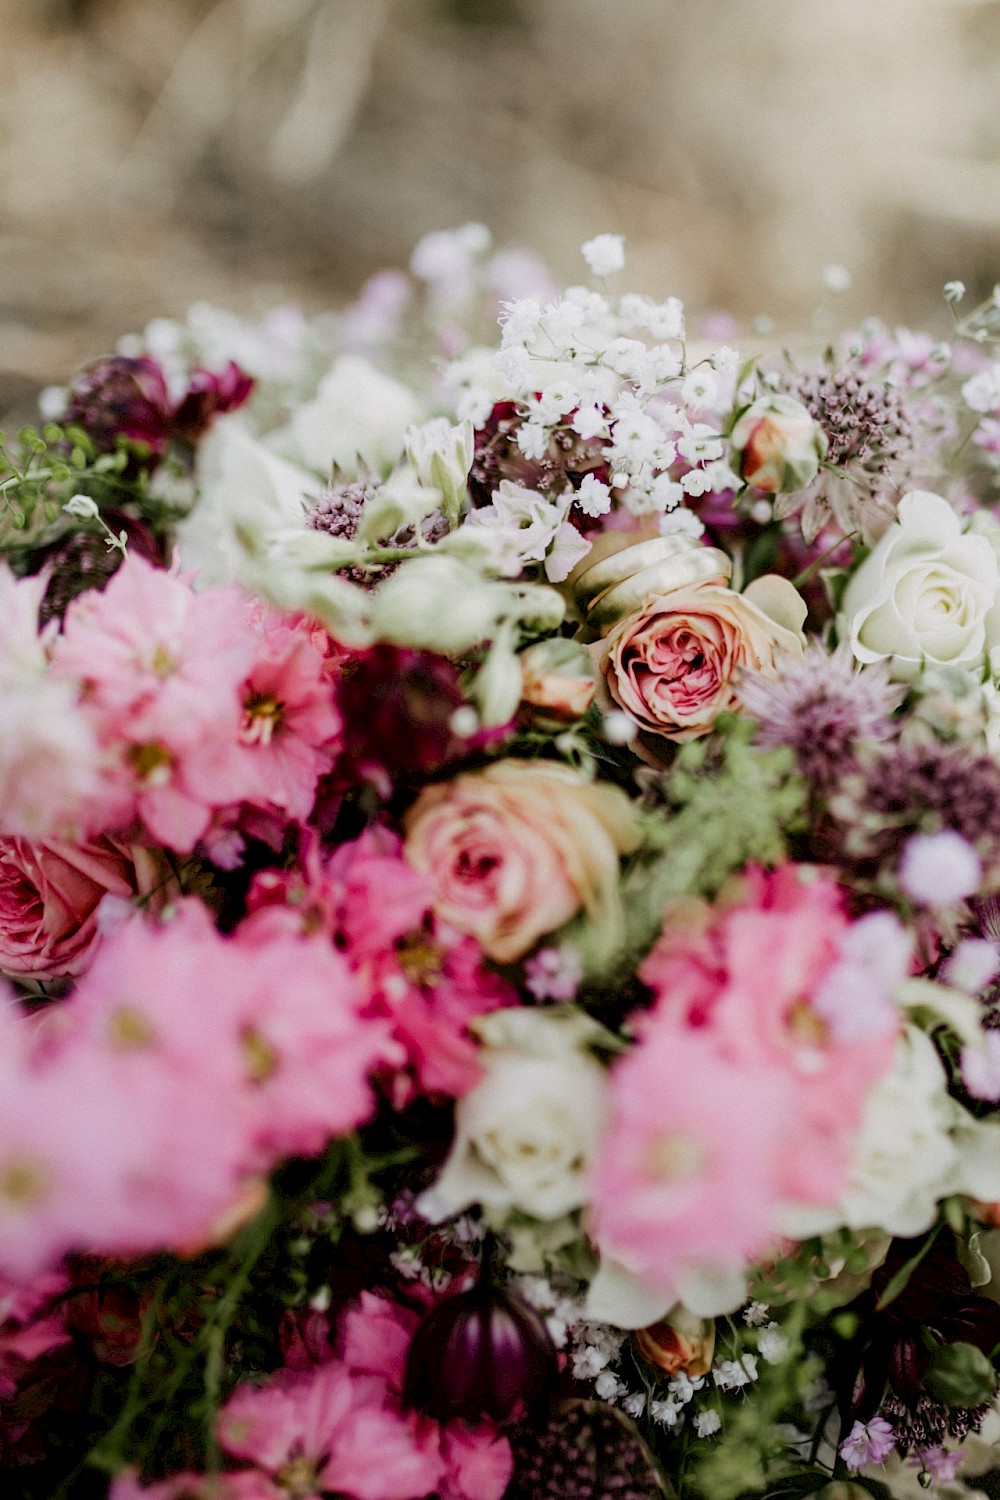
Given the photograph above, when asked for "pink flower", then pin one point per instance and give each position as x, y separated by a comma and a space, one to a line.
49, 898
692, 1169
427, 981
342, 1435
162, 669
867, 1443
777, 977
289, 736
478, 1463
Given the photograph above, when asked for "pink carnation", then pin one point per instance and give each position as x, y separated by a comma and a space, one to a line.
290, 731
428, 982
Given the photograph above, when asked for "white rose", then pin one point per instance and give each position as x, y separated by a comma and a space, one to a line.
927, 593
527, 1133
905, 1159
358, 416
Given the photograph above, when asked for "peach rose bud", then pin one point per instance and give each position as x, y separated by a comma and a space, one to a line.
777, 445
558, 678
680, 1341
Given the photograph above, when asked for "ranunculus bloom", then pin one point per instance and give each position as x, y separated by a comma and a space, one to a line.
514, 851
672, 666
925, 595
49, 895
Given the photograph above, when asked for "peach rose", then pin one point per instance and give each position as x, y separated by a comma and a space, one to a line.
516, 850
49, 895
673, 664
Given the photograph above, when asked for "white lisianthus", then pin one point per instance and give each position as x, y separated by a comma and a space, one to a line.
442, 456
438, 603
358, 417
526, 1134
926, 594
246, 495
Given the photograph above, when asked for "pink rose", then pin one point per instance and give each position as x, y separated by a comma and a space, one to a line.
673, 664
514, 851
49, 895
778, 445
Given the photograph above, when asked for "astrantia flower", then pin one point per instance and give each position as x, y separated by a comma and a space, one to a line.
921, 787
869, 431
821, 706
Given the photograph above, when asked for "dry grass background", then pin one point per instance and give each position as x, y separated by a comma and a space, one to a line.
157, 151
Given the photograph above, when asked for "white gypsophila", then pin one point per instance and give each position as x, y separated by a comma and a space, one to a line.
519, 322
734, 1374
707, 1423
358, 419
772, 1344
593, 497
981, 392
526, 1135
590, 421
605, 254
925, 595
700, 388
634, 1404
533, 438
700, 444
664, 320
246, 494
665, 1413
725, 360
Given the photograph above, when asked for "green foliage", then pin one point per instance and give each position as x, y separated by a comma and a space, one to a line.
41, 470
722, 805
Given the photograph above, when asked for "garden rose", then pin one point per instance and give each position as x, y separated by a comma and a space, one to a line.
926, 594
526, 1135
673, 664
514, 851
777, 445
49, 895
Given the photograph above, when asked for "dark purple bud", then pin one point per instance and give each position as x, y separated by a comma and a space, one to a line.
210, 394
480, 1354
119, 397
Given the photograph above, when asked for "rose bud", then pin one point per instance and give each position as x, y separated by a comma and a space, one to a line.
680, 1341
558, 678
777, 445
480, 1354
118, 397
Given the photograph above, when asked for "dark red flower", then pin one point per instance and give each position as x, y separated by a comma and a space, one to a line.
210, 394
481, 1354
122, 397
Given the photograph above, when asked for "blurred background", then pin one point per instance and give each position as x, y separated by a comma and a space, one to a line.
157, 152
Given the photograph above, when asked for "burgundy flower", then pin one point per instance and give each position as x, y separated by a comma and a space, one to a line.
397, 706
210, 394
122, 397
481, 1354
893, 1355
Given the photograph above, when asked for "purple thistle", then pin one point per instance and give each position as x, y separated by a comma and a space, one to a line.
822, 707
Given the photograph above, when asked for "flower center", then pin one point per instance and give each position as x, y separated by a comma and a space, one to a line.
421, 960
151, 764
262, 715
258, 1054
22, 1182
128, 1028
673, 1157
299, 1477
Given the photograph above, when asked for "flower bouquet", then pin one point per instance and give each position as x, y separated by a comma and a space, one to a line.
500, 905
